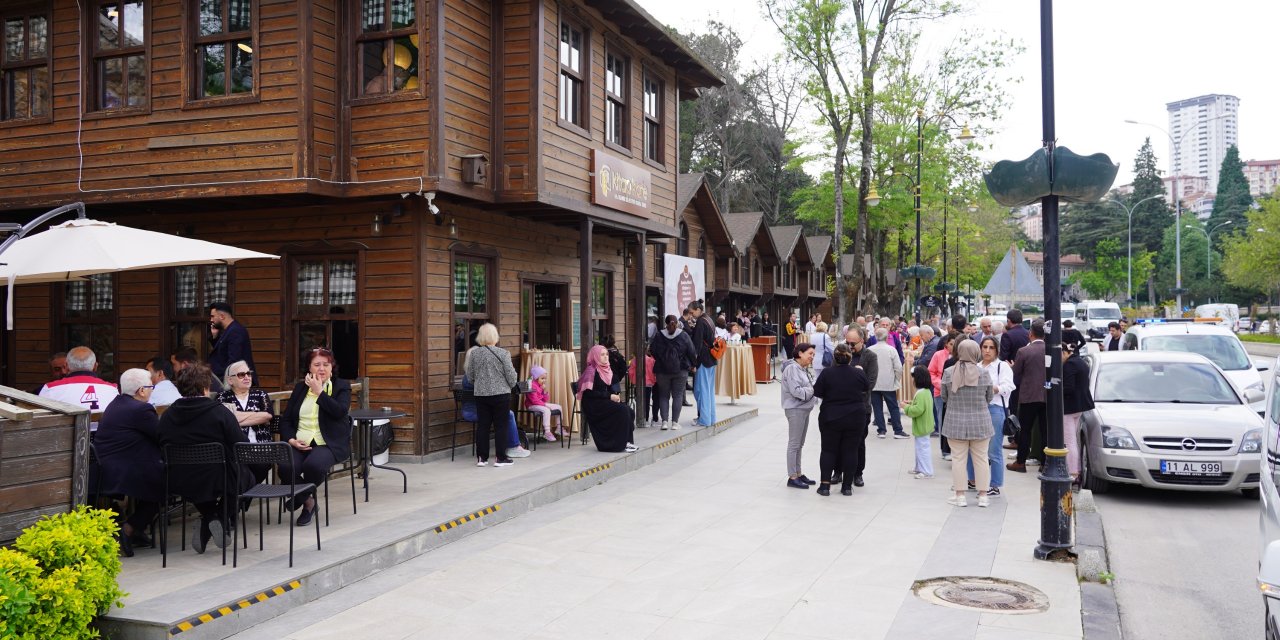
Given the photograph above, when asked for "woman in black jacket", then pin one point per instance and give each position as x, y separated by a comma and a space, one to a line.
843, 389
317, 426
611, 421
1076, 399
673, 357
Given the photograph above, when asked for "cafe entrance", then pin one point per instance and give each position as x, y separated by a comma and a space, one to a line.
543, 314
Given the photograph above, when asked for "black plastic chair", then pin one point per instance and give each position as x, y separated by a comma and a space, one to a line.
350, 465
276, 454
205, 453
582, 417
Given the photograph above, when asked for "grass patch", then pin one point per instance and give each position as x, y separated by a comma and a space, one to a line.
1260, 337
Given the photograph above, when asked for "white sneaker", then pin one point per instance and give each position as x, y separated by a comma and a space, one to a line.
947, 457
675, 426
517, 452
666, 425
1032, 462
482, 463
983, 501
901, 436
958, 501
631, 448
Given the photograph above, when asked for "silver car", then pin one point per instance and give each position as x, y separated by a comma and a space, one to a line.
1168, 420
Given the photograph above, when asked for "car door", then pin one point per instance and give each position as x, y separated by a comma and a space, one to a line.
1270, 517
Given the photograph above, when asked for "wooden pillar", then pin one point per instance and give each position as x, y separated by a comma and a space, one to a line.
641, 331
584, 288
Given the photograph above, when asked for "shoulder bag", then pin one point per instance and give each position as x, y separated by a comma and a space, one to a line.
1011, 425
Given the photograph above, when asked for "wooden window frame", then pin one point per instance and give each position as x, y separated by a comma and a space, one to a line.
112, 317
170, 316
478, 255
608, 314
355, 20
654, 119
620, 101
581, 76
744, 266
27, 10
682, 240
325, 254
702, 248
92, 80
192, 70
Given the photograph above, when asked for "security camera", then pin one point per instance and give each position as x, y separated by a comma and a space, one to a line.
430, 197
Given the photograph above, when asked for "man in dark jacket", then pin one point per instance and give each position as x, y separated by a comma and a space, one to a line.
1015, 337
864, 359
704, 379
1028, 375
233, 341
673, 357
928, 345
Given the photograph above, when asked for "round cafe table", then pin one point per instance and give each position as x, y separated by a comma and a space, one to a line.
736, 373
562, 372
364, 419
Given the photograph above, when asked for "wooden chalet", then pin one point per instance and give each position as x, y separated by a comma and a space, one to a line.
813, 287
750, 272
701, 232
420, 166
794, 265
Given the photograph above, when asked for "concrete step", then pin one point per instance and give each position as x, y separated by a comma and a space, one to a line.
197, 598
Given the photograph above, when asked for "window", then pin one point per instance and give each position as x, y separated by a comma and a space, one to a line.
573, 75
733, 270
387, 46
702, 248
652, 119
193, 290
472, 288
616, 86
601, 302
87, 318
745, 264
682, 243
24, 64
327, 309
224, 43
118, 73
755, 272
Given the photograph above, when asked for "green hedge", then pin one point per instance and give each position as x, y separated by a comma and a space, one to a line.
60, 575
1259, 337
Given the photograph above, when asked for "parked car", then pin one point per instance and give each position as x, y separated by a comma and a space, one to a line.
1244, 323
1269, 514
1093, 316
1168, 420
1219, 344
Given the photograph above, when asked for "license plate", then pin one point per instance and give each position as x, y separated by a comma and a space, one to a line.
1180, 468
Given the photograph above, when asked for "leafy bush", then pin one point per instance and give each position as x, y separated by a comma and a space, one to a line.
60, 574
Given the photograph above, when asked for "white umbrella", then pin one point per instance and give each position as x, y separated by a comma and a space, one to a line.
80, 248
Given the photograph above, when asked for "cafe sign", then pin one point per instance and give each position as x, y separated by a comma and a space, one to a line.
618, 184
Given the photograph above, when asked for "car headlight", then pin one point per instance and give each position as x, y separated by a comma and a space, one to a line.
1117, 438
1252, 441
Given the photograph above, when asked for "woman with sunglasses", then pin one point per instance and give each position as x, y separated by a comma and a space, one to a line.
316, 425
251, 406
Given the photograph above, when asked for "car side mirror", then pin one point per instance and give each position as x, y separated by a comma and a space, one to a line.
1254, 395
1269, 570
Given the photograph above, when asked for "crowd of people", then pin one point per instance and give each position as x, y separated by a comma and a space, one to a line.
970, 380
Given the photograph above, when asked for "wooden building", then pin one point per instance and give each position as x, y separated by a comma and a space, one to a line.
794, 265
750, 272
420, 166
701, 232
813, 289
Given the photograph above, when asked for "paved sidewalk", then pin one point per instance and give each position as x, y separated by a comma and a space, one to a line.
709, 543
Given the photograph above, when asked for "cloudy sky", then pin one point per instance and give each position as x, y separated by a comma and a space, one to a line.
1115, 60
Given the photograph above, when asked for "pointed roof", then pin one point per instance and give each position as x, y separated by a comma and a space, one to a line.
891, 275
687, 185
692, 189
787, 238
1013, 277
820, 249
748, 228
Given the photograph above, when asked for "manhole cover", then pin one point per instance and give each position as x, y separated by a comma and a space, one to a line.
982, 594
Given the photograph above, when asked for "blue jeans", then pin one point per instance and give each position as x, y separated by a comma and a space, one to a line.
704, 393
995, 448
880, 398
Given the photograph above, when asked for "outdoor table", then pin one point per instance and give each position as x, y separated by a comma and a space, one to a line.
364, 419
735, 373
562, 372
907, 388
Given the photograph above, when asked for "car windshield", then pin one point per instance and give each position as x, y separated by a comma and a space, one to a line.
1180, 382
1104, 313
1224, 351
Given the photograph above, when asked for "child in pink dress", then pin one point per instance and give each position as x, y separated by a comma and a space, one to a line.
536, 401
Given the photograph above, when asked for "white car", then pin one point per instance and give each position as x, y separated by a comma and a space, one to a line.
1168, 421
1219, 344
1269, 516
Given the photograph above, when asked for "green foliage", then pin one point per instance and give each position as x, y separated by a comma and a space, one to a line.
1083, 226
1109, 272
60, 574
1252, 257
1200, 285
1151, 216
1233, 199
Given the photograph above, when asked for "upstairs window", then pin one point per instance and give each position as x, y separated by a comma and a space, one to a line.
118, 75
682, 243
745, 263
653, 150
387, 45
24, 64
616, 85
224, 46
573, 75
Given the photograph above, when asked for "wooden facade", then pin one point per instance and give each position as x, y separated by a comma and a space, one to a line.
750, 271
323, 148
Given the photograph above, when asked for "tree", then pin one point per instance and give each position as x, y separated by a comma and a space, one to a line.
1233, 199
1152, 217
1251, 256
1083, 226
1109, 273
775, 171
1195, 280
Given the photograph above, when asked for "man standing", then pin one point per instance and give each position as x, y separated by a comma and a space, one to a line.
81, 386
891, 337
884, 388
984, 329
856, 338
163, 392
928, 345
1115, 335
1028, 375
1071, 336
233, 341
788, 337
704, 377
1015, 337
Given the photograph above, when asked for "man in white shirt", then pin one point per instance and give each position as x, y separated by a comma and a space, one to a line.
884, 389
164, 391
81, 386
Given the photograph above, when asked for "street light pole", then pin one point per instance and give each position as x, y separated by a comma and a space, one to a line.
919, 154
1129, 214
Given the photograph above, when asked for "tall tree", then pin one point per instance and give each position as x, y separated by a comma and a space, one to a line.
1084, 225
775, 172
1195, 277
1152, 217
1251, 257
1233, 199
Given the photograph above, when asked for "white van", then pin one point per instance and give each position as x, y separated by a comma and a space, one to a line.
1229, 313
1068, 310
997, 309
1092, 317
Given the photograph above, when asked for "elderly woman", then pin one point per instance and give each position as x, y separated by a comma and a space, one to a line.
316, 425
490, 370
196, 418
127, 444
252, 408
611, 421
967, 389
842, 418
798, 402
822, 345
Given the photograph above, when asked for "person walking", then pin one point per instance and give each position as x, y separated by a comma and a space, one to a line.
489, 369
885, 387
704, 379
798, 402
1028, 375
920, 409
1076, 399
1071, 336
1002, 378
673, 357
967, 390
843, 390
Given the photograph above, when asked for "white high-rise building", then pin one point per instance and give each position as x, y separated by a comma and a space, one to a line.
1202, 128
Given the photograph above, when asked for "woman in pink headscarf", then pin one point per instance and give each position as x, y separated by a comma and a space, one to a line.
611, 422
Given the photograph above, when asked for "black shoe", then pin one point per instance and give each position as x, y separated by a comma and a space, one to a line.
126, 545
857, 481
200, 536
687, 404
796, 483
824, 489
140, 539
837, 478
846, 491
305, 518
973, 486
805, 479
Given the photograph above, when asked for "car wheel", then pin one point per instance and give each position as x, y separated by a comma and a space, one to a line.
1251, 494
1088, 479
